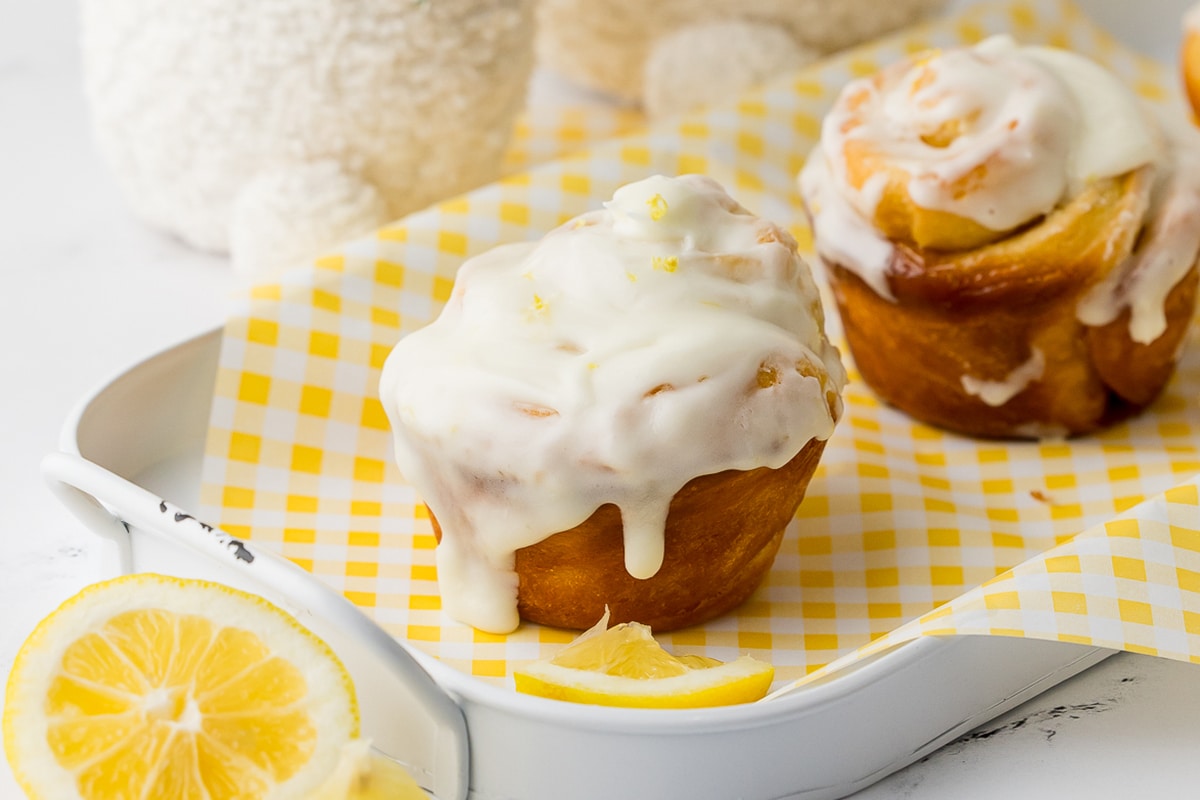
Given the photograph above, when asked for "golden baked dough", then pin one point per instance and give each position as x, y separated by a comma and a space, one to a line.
722, 535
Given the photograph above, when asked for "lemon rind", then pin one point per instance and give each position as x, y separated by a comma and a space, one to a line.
740, 681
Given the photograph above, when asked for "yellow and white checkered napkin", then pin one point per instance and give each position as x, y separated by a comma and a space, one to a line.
899, 519
1132, 583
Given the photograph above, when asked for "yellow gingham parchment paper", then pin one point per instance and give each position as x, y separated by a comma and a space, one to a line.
899, 520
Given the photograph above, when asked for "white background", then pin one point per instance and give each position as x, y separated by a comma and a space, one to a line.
87, 291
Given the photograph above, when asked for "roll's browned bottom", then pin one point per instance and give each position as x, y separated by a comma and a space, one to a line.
722, 534
914, 360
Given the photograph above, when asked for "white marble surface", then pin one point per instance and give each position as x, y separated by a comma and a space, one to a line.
88, 291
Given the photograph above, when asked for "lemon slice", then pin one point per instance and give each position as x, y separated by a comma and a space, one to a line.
625, 666
148, 686
363, 774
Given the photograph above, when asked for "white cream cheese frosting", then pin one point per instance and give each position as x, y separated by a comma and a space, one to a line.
1043, 121
611, 362
841, 235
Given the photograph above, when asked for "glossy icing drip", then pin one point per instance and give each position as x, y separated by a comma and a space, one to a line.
841, 234
669, 335
997, 393
1167, 249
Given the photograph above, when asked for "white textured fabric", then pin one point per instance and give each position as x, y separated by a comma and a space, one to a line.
606, 44
192, 102
283, 216
738, 54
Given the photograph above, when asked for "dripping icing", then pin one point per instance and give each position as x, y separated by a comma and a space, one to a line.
1167, 249
997, 393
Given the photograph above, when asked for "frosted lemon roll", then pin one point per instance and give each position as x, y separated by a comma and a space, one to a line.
626, 413
1011, 237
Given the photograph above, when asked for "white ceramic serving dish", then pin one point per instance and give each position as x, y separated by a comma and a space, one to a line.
130, 466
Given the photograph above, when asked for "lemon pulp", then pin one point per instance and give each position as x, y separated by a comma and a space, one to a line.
625, 666
150, 686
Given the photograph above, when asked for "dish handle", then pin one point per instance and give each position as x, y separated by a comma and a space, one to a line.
407, 715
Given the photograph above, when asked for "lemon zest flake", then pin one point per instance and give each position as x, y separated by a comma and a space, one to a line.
658, 207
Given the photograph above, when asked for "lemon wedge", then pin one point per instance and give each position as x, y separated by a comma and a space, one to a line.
149, 686
363, 774
625, 666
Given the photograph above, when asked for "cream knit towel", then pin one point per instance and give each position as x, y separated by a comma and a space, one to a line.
278, 128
